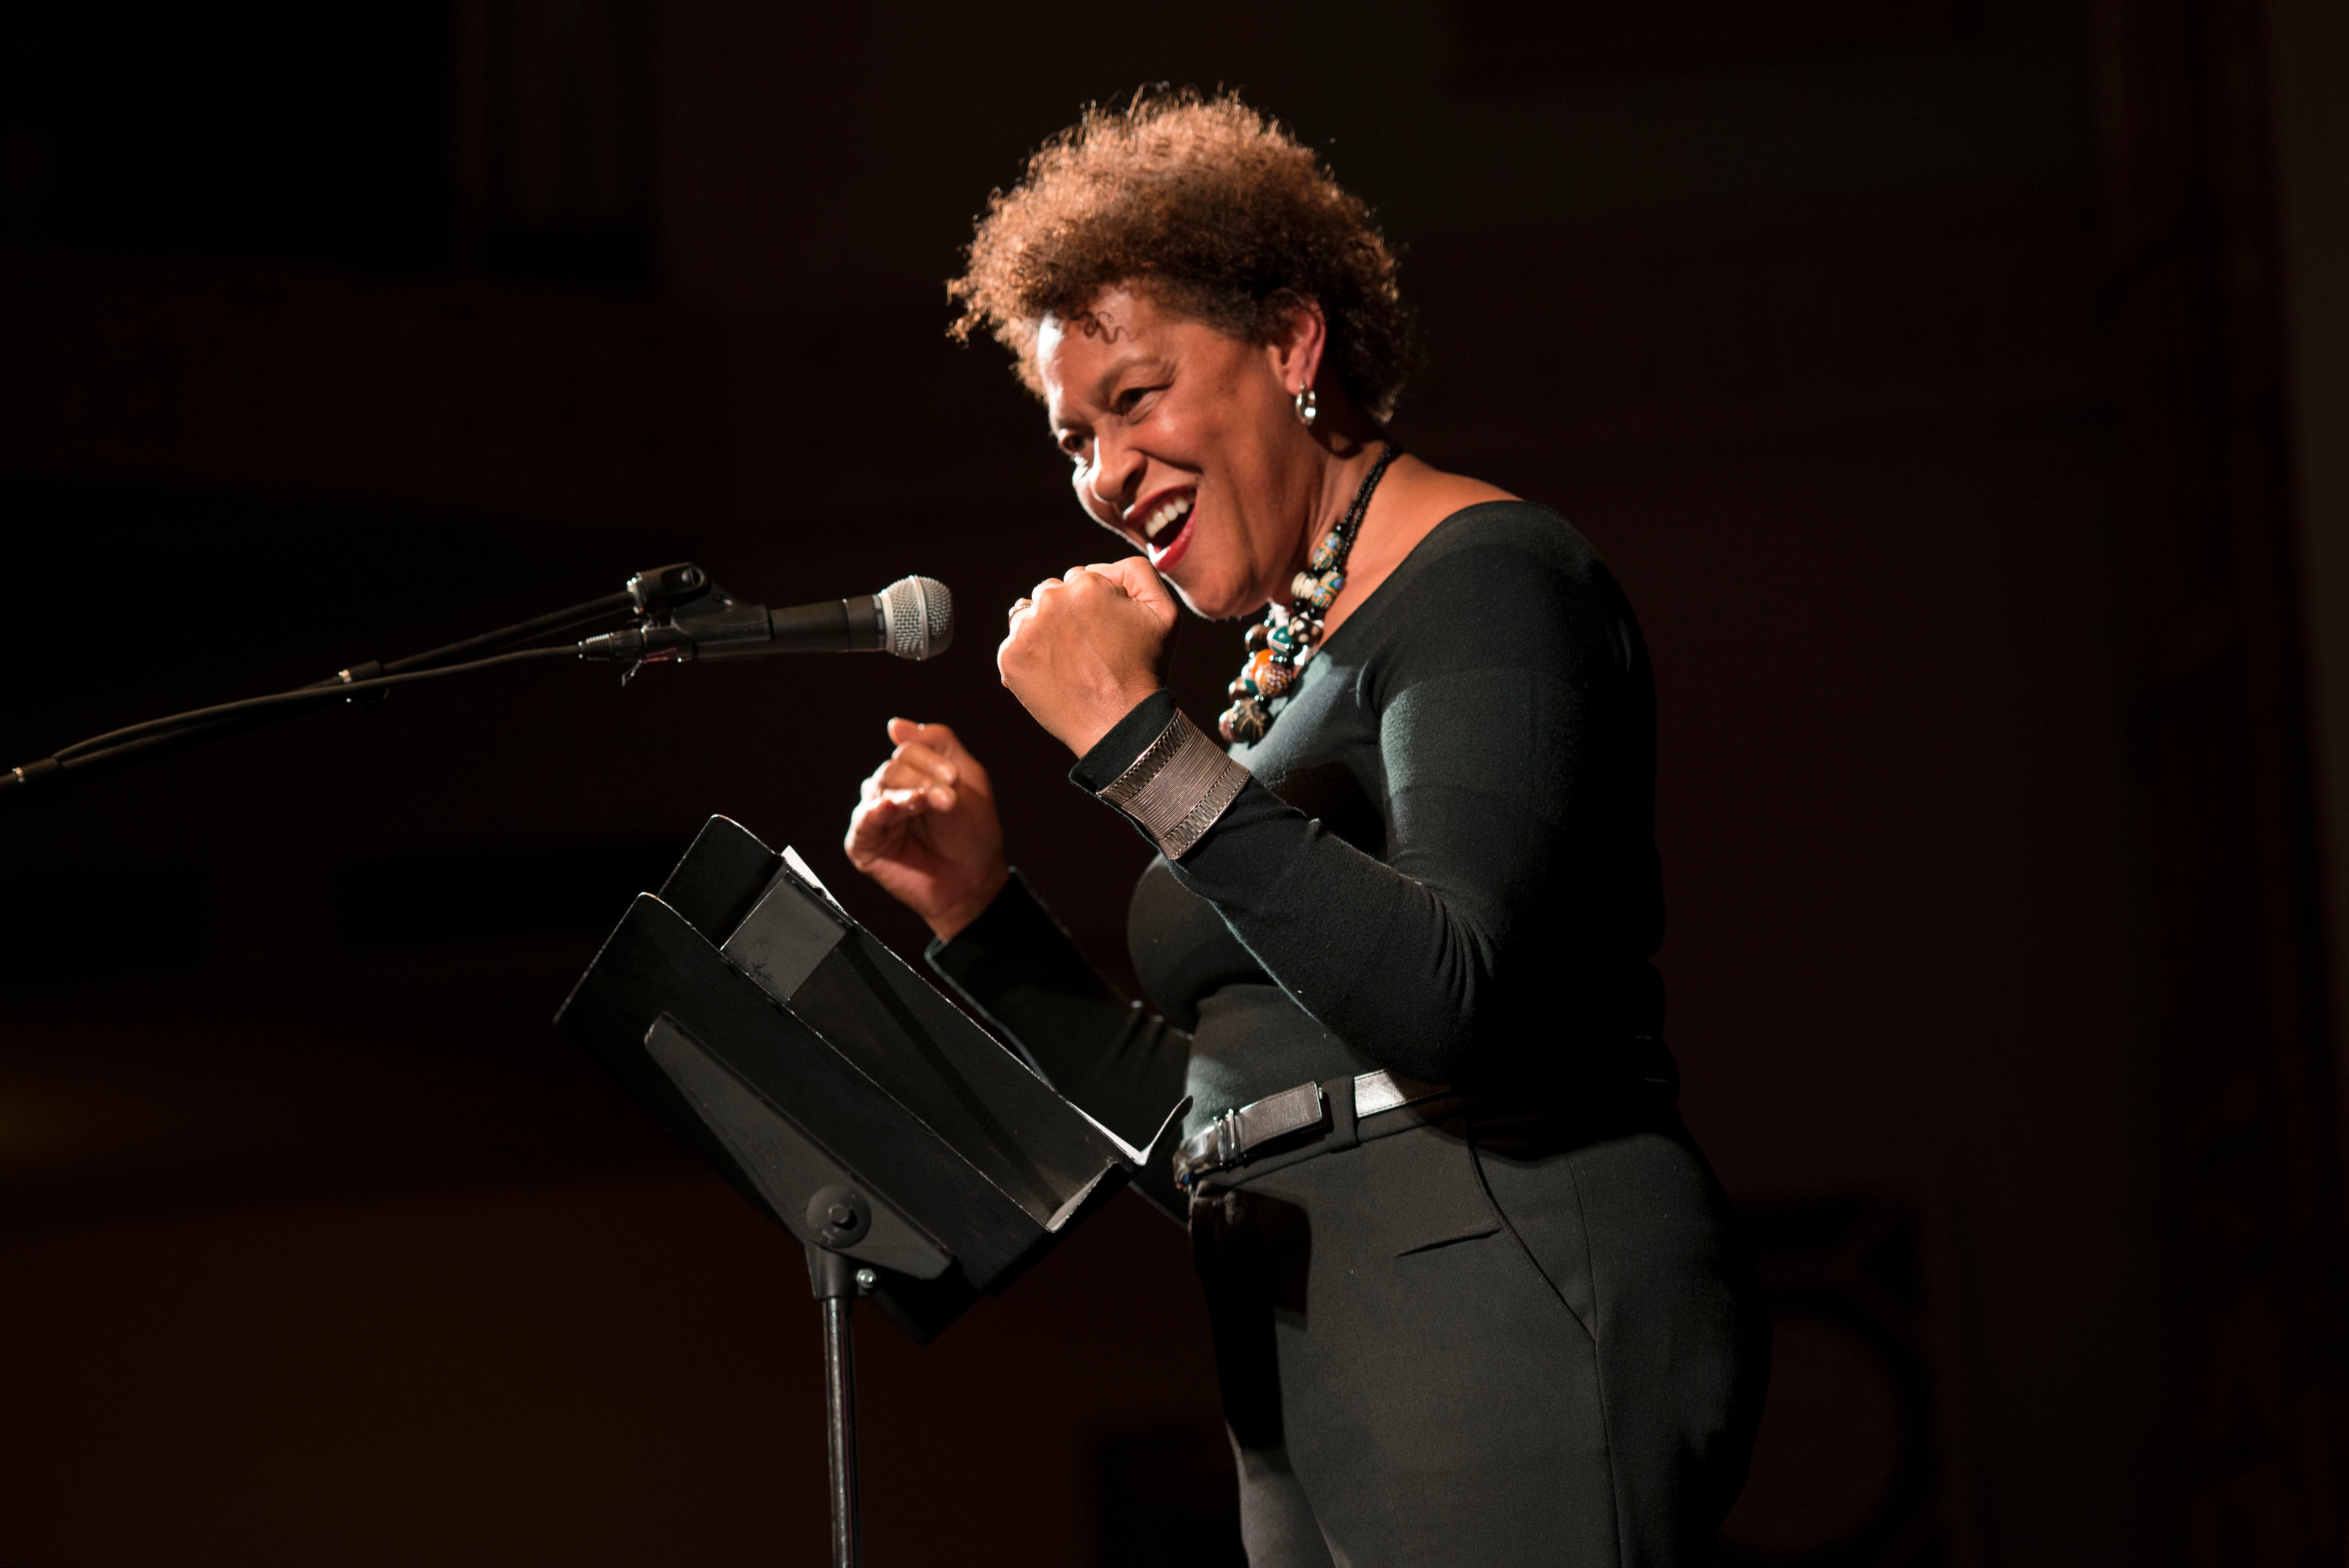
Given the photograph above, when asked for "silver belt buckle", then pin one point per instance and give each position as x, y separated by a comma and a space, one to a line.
1226, 1141
1227, 1144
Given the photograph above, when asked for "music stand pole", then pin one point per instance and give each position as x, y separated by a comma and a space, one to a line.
915, 1158
836, 1280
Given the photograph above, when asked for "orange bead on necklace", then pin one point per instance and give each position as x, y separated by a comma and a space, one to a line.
1280, 645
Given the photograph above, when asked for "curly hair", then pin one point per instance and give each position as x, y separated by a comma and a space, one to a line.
1210, 205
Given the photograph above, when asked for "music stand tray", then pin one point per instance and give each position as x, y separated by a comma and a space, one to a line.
919, 1160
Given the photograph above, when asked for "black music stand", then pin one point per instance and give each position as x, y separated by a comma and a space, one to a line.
920, 1162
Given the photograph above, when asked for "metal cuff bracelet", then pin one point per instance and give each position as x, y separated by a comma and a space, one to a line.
1177, 787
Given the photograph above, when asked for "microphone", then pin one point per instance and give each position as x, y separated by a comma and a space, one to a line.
912, 618
685, 616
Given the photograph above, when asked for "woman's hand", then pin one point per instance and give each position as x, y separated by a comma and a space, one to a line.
926, 829
1083, 649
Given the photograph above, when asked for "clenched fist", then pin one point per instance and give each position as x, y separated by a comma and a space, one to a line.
1083, 649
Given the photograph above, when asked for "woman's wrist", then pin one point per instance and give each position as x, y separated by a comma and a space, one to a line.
1115, 750
1106, 714
1178, 786
947, 924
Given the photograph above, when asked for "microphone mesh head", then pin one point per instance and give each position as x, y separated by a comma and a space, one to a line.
917, 615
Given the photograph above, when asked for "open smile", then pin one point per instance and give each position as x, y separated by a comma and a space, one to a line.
1164, 521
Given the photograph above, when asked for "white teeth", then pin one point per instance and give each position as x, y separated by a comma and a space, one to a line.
1180, 506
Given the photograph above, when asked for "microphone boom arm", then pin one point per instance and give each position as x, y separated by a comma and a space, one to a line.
683, 616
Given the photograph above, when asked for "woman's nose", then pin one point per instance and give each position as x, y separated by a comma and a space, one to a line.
1114, 472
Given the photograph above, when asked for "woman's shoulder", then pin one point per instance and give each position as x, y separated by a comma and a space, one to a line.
1506, 581
1449, 523
1504, 537
1512, 523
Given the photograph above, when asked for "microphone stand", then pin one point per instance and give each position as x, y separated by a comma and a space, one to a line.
650, 595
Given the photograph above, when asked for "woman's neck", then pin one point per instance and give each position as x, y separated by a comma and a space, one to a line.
1341, 460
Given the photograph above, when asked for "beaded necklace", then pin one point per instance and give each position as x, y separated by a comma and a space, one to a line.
1280, 645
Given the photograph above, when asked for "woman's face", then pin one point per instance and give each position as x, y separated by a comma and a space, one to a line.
1186, 442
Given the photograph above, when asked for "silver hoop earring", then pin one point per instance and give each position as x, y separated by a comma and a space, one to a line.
1308, 407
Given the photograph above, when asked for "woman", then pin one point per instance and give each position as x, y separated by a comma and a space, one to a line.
1474, 1293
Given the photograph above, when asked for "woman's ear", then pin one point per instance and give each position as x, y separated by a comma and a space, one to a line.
1296, 349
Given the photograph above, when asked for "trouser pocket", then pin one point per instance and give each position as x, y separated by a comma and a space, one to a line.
1530, 1182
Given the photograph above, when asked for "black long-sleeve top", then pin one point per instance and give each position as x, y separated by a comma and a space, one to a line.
1444, 864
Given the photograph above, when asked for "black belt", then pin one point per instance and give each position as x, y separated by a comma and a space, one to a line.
1231, 1137
1639, 1063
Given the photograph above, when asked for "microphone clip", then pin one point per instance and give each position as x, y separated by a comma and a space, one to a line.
684, 615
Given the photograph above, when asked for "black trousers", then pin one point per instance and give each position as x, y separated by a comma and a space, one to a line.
1495, 1341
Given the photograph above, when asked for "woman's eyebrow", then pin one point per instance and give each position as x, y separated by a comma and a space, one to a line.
1111, 374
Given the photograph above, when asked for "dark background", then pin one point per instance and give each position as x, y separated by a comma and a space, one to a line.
1959, 386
